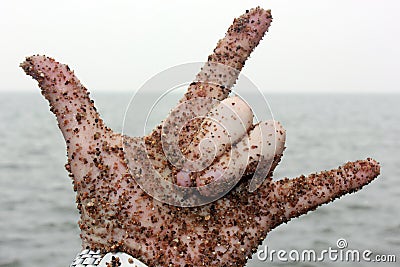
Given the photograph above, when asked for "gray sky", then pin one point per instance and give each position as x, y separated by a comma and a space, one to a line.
318, 45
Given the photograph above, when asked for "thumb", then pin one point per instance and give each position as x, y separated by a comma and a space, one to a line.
68, 98
300, 195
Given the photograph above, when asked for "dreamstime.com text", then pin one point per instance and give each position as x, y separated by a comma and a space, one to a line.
338, 254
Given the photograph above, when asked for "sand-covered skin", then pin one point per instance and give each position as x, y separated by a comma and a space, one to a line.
116, 215
212, 84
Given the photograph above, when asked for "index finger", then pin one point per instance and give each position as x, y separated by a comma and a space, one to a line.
215, 80
223, 66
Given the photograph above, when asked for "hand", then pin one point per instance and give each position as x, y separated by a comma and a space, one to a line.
117, 215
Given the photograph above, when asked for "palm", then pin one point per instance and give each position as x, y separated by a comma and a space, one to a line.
117, 215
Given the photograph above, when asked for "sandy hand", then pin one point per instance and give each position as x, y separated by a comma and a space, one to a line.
116, 214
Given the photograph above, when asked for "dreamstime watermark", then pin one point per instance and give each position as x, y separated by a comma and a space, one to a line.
204, 93
339, 253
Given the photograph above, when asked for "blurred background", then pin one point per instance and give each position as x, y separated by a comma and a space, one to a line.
329, 70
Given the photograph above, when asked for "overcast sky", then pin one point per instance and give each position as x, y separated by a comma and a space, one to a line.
318, 45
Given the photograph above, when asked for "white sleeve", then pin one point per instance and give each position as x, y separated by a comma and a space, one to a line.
89, 258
